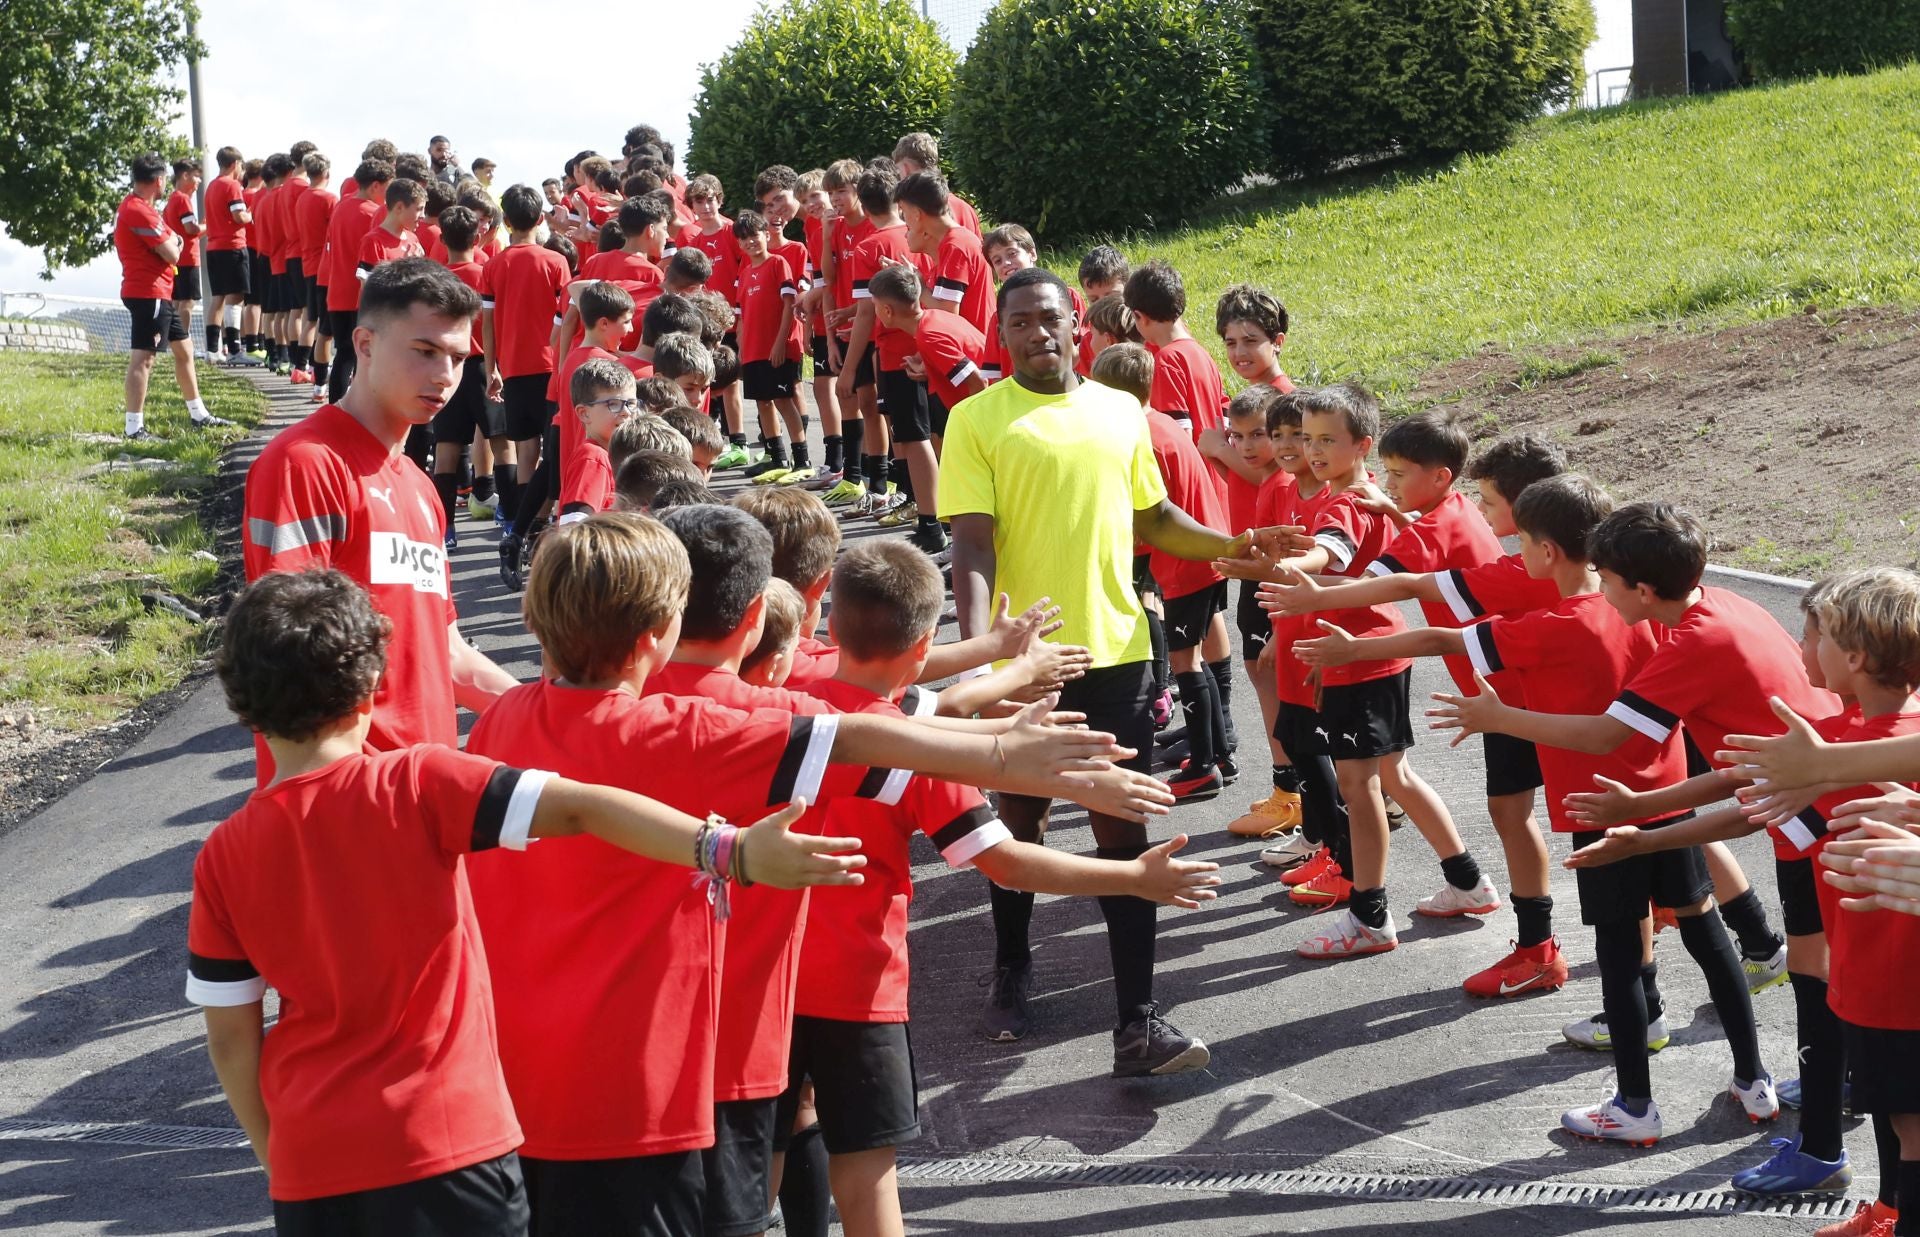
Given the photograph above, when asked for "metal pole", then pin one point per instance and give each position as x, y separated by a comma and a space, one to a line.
199, 140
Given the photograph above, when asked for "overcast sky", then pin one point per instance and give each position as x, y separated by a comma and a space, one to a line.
276, 74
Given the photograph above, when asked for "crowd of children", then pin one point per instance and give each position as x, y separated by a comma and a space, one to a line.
574, 364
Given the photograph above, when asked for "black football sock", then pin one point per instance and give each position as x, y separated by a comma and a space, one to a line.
230, 336
1196, 707
1909, 1204
1746, 918
738, 440
507, 483
853, 434
1650, 990
928, 525
1287, 778
1616, 948
482, 486
321, 371
1322, 816
1461, 871
447, 486
901, 476
833, 444
1536, 919
213, 338
1886, 1146
1712, 950
800, 459
1823, 1067
1369, 906
1132, 925
805, 1197
1157, 637
1012, 917
876, 470
1222, 672
777, 448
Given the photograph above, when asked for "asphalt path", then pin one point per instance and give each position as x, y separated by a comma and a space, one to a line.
1377, 1072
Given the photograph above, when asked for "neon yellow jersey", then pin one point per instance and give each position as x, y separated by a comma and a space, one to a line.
1062, 476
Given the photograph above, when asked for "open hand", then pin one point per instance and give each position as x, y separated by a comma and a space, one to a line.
1176, 882
1467, 715
1598, 809
1334, 648
1785, 761
1618, 844
775, 855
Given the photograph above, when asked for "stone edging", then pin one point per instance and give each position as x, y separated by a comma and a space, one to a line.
43, 337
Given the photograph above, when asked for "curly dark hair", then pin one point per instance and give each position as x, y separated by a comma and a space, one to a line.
301, 650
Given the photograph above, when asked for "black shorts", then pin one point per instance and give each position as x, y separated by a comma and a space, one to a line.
488, 1199
227, 272
763, 381
819, 349
469, 409
1143, 581
154, 324
739, 1168
904, 403
1188, 618
525, 400
290, 293
259, 274
863, 1083
1799, 896
1116, 699
1513, 765
863, 373
644, 1195
317, 305
1298, 729
936, 414
297, 282
186, 283
1621, 891
1885, 1065
1367, 720
1255, 624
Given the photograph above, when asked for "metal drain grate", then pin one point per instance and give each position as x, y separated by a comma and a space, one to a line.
1478, 1190
123, 1135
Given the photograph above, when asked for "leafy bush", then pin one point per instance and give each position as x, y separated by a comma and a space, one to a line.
1792, 38
1076, 118
812, 81
1365, 78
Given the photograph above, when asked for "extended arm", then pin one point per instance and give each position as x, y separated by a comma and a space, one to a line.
1595, 734
1801, 757
1155, 875
234, 1035
1168, 529
1337, 648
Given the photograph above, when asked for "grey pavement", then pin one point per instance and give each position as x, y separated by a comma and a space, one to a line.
1376, 1068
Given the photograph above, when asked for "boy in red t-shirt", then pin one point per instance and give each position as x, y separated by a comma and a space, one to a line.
356, 212
1253, 325
379, 1097
782, 194
864, 430
1010, 248
147, 249
770, 347
850, 1030
228, 273
182, 218
468, 414
393, 237
313, 213
920, 152
1194, 595
606, 314
600, 393
876, 354
1103, 272
1186, 383
712, 233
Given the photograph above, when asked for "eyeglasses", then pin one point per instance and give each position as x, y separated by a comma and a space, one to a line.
616, 404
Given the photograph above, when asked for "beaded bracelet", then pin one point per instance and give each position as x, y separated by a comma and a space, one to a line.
717, 856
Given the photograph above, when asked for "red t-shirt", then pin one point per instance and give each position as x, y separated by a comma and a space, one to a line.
1282, 383
1454, 534
225, 197
1353, 537
1190, 487
352, 219
951, 349
380, 246
1243, 497
326, 493
1725, 658
572, 431
964, 214
343, 889
586, 482
1573, 658
427, 232
764, 935
607, 965
1187, 385
1870, 953
1499, 587
137, 228
467, 273
265, 231
853, 958
813, 660
814, 236
722, 249
846, 237
286, 223
526, 288
962, 278
765, 288
891, 348
312, 214
1279, 502
177, 216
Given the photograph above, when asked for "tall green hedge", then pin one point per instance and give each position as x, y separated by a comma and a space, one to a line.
1076, 117
811, 81
1796, 38
1363, 78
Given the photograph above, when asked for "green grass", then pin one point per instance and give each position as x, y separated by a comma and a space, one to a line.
76, 552
1742, 205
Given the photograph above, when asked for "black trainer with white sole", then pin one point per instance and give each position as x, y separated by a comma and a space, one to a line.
1152, 1046
1007, 1018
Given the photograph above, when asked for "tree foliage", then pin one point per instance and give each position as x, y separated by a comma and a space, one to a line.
1078, 118
1364, 78
1793, 38
85, 85
811, 81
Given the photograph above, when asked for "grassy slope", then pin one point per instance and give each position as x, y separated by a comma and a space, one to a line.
1747, 204
76, 552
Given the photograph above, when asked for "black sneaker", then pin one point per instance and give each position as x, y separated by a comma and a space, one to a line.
1152, 1045
510, 562
1170, 736
143, 434
933, 544
208, 422
1007, 1018
1229, 772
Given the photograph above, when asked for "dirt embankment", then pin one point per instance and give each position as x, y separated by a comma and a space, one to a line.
1797, 441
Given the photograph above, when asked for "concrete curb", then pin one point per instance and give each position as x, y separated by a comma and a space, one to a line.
1759, 577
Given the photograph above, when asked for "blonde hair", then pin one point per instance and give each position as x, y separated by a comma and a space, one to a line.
842, 174
1110, 316
785, 610
646, 431
806, 537
810, 182
1125, 367
600, 584
1876, 613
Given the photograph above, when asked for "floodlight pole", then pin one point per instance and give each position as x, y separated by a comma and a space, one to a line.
199, 134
